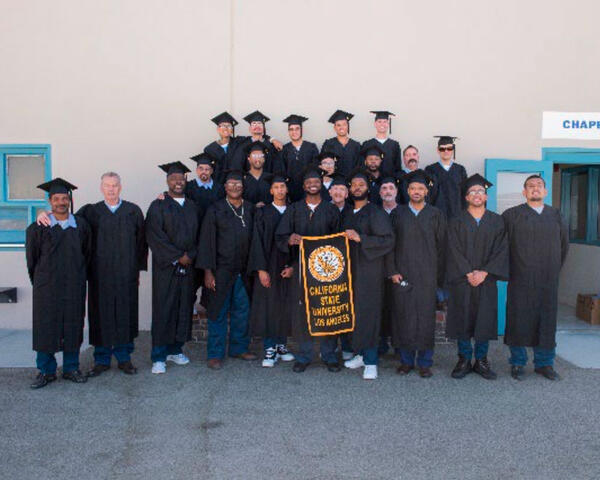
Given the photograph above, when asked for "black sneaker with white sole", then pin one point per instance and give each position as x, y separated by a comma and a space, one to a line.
270, 357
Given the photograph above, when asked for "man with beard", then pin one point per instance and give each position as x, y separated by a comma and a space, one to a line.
221, 150
370, 233
538, 243
57, 259
345, 148
270, 310
257, 186
171, 232
477, 258
119, 253
204, 190
296, 155
391, 148
374, 156
410, 159
224, 246
258, 133
416, 269
310, 216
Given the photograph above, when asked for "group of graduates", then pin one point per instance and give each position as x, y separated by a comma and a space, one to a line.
418, 238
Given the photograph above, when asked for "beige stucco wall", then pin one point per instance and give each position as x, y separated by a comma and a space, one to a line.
127, 84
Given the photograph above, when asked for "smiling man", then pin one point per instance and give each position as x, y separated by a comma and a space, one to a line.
221, 150
383, 127
345, 148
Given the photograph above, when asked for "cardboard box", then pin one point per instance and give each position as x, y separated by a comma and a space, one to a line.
588, 308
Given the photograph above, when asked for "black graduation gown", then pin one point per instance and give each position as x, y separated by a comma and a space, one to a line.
325, 196
392, 159
223, 248
257, 189
473, 311
418, 256
446, 191
119, 252
386, 308
367, 258
349, 155
221, 156
293, 162
538, 245
171, 231
298, 218
270, 310
238, 159
57, 262
374, 196
203, 197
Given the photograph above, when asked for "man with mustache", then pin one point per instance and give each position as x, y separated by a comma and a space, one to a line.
410, 163
538, 241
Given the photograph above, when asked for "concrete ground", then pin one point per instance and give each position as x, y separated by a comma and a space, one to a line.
247, 422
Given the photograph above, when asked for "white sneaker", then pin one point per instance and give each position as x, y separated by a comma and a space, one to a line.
347, 355
370, 372
356, 362
159, 367
284, 353
179, 359
270, 358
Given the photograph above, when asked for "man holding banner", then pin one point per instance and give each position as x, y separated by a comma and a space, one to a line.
370, 233
314, 218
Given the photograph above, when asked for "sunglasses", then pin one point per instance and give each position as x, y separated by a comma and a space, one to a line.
446, 149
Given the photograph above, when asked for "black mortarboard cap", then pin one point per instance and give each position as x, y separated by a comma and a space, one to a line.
224, 117
257, 116
372, 149
256, 145
294, 119
278, 177
358, 172
58, 185
341, 115
475, 179
337, 179
311, 171
384, 114
418, 176
389, 179
204, 159
446, 140
234, 175
174, 167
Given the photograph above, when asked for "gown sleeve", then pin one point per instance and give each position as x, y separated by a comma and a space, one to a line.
381, 241
163, 251
32, 248
497, 264
457, 265
207, 241
140, 241
257, 259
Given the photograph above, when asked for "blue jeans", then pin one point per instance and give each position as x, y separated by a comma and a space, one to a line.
46, 362
541, 357
384, 346
346, 343
424, 357
272, 342
442, 295
370, 356
327, 347
121, 352
465, 348
159, 353
237, 306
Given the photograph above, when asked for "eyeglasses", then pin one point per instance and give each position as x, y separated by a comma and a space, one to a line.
234, 184
446, 149
257, 155
472, 193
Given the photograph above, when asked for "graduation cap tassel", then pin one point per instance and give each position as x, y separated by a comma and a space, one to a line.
71, 199
390, 125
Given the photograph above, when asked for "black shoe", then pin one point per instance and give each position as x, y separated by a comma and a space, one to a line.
517, 372
548, 372
482, 367
333, 366
42, 380
127, 367
75, 376
299, 367
462, 368
98, 370
404, 369
425, 372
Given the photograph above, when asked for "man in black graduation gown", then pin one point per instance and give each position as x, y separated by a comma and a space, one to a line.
346, 149
311, 216
270, 309
258, 133
448, 177
205, 189
538, 243
327, 167
416, 267
392, 163
410, 163
369, 231
373, 156
171, 232
257, 186
222, 149
223, 247
296, 155
477, 257
57, 260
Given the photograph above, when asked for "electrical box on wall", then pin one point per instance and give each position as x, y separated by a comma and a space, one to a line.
8, 294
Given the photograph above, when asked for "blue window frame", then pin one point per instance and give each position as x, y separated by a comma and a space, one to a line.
579, 199
20, 167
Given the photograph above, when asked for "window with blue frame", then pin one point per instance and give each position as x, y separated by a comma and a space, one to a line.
22, 169
580, 196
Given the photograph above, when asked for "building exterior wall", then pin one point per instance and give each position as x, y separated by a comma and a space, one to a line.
126, 85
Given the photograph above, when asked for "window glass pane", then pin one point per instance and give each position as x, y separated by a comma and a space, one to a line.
578, 214
13, 218
598, 203
510, 189
25, 173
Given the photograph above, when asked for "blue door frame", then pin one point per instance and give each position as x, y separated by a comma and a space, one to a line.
493, 166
